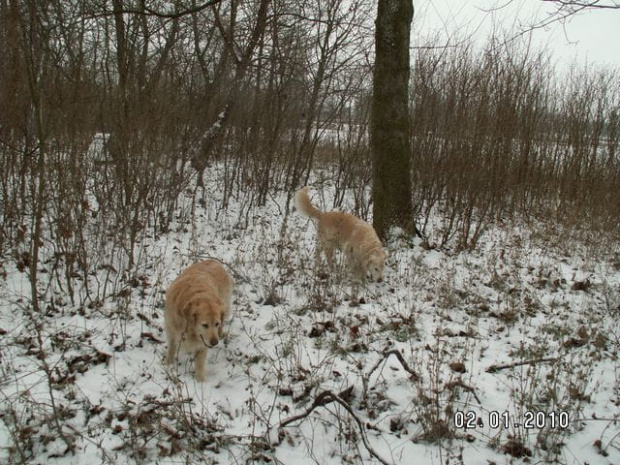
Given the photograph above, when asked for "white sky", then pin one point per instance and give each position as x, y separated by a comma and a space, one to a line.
591, 37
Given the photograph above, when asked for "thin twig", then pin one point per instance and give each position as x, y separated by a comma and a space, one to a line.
496, 368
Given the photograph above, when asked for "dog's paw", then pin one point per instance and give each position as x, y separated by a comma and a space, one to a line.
200, 377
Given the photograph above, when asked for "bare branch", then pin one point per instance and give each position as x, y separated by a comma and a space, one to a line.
179, 14
582, 5
401, 359
496, 368
327, 397
564, 10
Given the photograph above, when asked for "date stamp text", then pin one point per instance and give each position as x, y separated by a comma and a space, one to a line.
496, 420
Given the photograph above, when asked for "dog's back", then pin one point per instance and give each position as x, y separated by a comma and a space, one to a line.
338, 227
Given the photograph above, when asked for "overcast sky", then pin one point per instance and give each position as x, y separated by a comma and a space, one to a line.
591, 37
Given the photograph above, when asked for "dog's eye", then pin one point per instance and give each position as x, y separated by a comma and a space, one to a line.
217, 324
205, 325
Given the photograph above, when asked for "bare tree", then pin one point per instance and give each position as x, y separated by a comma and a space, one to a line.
389, 134
242, 62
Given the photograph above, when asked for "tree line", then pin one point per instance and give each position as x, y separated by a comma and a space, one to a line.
110, 110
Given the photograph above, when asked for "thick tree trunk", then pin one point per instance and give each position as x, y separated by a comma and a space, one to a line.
389, 136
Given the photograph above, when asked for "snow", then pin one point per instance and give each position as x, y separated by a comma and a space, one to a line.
295, 335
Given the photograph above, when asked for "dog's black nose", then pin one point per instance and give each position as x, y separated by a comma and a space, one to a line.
214, 342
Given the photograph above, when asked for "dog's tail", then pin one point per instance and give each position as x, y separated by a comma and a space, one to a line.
303, 204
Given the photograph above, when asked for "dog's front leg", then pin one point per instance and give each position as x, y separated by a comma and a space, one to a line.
353, 262
173, 348
201, 357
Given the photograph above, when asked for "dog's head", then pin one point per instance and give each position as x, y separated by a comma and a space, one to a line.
205, 321
376, 264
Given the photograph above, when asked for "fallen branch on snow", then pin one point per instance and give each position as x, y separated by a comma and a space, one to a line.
401, 359
496, 368
326, 398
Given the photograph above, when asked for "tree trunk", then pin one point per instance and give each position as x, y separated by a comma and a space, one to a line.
389, 131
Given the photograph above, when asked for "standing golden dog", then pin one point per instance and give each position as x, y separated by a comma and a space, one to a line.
197, 303
343, 231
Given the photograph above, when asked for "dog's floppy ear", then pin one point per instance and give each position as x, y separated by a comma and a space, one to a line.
189, 310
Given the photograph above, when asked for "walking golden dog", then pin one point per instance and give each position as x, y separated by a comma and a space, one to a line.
197, 303
343, 231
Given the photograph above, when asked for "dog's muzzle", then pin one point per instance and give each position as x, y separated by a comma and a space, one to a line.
207, 345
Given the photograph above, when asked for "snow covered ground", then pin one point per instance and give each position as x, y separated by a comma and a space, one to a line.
503, 354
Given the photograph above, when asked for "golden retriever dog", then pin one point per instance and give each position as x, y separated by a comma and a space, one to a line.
197, 303
343, 231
